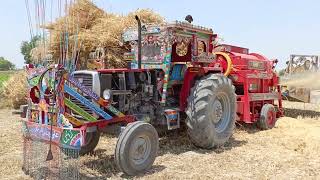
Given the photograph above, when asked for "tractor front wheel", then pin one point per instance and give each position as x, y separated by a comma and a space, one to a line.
267, 117
91, 141
211, 111
136, 148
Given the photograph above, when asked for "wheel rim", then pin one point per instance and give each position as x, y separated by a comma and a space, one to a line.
221, 108
271, 118
140, 149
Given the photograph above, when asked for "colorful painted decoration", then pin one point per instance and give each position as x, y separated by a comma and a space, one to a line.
87, 103
43, 106
130, 35
67, 138
115, 111
41, 115
173, 118
71, 138
41, 131
64, 122
33, 72
86, 90
78, 110
35, 107
33, 81
54, 124
60, 96
73, 120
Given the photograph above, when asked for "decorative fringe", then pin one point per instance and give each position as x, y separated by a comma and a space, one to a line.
64, 165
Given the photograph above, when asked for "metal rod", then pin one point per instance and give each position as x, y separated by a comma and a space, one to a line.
139, 42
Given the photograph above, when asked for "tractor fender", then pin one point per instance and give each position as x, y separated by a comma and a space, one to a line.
229, 62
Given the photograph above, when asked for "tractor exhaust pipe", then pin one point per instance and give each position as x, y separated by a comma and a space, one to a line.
139, 42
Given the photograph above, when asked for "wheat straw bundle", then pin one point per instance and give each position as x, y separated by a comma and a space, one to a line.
15, 89
86, 27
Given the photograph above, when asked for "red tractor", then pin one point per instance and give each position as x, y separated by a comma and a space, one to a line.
177, 75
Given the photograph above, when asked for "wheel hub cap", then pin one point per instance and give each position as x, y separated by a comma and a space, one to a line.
140, 150
270, 118
221, 112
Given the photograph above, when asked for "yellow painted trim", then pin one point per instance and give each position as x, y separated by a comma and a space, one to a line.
229, 61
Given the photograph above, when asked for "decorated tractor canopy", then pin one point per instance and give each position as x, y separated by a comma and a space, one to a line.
177, 76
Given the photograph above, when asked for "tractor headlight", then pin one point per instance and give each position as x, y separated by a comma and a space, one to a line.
107, 94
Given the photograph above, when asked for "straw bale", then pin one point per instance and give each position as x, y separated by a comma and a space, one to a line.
15, 90
89, 27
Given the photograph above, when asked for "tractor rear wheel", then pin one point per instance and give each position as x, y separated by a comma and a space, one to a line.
267, 117
136, 148
211, 111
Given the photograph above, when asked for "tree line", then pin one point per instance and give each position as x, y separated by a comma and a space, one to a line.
6, 65
25, 49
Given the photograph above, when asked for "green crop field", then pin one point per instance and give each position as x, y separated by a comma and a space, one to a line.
4, 76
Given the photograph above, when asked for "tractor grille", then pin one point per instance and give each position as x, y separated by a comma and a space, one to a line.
87, 81
80, 105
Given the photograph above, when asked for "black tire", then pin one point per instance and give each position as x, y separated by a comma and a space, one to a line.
267, 118
211, 111
137, 136
92, 139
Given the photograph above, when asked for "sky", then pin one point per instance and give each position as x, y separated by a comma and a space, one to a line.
274, 28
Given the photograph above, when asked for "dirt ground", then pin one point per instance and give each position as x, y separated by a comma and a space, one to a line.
289, 151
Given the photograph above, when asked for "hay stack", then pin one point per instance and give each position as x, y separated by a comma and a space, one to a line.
89, 27
40, 52
14, 90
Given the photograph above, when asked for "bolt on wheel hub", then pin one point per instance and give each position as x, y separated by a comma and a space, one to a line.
140, 149
218, 110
